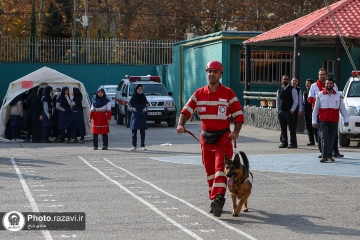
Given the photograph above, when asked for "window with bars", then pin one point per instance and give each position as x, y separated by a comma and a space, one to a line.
267, 66
329, 66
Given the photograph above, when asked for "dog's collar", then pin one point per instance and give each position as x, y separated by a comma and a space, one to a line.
245, 177
242, 180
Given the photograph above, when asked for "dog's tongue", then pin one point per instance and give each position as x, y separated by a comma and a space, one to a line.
230, 180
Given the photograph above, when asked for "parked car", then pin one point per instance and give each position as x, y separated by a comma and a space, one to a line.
110, 91
351, 95
161, 104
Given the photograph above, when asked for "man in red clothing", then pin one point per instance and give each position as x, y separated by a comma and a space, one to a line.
315, 88
326, 117
318, 86
215, 104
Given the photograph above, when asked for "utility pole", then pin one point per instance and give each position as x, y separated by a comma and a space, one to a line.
86, 25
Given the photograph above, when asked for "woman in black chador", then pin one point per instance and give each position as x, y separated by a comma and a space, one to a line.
46, 114
62, 104
30, 105
55, 115
138, 106
77, 124
36, 128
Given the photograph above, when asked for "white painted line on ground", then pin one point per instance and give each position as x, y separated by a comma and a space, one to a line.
152, 207
33, 204
185, 202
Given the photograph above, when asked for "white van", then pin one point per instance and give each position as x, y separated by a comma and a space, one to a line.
351, 95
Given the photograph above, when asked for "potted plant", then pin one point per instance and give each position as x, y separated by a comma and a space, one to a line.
271, 103
263, 103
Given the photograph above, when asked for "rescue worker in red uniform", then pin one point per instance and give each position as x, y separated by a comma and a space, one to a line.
328, 103
100, 116
315, 88
215, 104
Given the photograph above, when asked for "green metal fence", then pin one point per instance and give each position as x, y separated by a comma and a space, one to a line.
82, 50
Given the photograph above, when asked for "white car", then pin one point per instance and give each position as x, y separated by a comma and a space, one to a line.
351, 95
110, 91
161, 104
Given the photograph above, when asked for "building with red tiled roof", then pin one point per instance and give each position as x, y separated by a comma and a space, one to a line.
310, 42
318, 24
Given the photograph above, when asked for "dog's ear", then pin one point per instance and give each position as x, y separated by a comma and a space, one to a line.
226, 158
236, 160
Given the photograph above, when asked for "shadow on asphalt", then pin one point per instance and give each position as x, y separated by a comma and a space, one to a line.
294, 222
24, 163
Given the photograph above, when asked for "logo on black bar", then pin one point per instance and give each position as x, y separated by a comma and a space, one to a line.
13, 221
16, 221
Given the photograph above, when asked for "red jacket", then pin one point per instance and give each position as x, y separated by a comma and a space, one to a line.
327, 107
215, 108
315, 88
100, 118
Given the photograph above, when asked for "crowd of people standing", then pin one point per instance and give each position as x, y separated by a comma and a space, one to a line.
58, 115
48, 114
320, 103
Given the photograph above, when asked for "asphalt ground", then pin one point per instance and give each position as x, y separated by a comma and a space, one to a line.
161, 193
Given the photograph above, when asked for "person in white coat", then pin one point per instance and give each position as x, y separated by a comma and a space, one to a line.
328, 103
315, 88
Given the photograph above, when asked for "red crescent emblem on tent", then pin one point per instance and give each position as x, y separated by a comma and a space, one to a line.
26, 84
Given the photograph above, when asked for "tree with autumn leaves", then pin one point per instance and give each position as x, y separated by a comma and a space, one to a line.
148, 19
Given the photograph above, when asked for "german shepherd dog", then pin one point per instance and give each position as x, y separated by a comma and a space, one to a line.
239, 181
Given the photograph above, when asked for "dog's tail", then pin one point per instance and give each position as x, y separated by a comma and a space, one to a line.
245, 160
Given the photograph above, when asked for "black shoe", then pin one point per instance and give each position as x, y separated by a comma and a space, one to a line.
310, 143
217, 205
330, 159
211, 210
60, 141
46, 141
292, 146
27, 140
324, 160
338, 155
283, 145
95, 148
320, 156
104, 148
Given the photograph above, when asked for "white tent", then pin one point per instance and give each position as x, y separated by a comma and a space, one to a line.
43, 76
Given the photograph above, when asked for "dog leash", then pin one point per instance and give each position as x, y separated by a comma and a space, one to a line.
235, 150
191, 134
